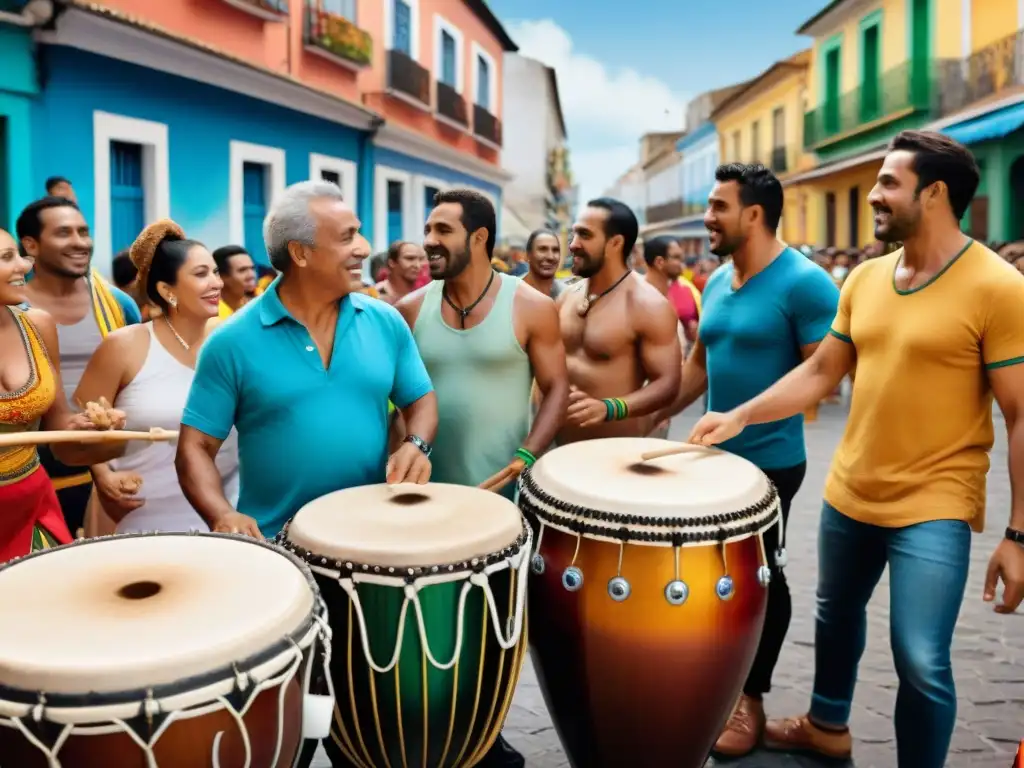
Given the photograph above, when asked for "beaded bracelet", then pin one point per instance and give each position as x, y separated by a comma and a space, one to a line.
616, 409
528, 458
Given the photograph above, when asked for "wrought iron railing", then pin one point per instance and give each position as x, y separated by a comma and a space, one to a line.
906, 88
337, 35
486, 125
778, 162
451, 104
995, 68
272, 6
408, 77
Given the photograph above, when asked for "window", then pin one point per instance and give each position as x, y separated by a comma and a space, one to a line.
779, 127
396, 231
483, 83
332, 176
832, 85
4, 175
402, 36
870, 67
830, 219
127, 194
337, 171
755, 141
736, 146
854, 206
448, 58
428, 199
344, 8
254, 209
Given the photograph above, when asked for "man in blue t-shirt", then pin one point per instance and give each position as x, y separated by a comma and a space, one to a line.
763, 314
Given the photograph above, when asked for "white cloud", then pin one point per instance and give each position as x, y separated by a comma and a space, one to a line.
606, 111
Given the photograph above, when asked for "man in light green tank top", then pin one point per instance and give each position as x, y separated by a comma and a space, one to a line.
484, 337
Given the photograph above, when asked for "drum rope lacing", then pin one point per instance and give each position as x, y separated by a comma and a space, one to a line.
236, 703
412, 579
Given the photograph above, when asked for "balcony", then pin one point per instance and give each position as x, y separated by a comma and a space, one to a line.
451, 107
407, 80
995, 69
778, 162
899, 92
486, 126
270, 10
673, 209
337, 38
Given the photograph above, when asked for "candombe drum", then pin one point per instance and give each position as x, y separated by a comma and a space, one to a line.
426, 589
164, 649
648, 595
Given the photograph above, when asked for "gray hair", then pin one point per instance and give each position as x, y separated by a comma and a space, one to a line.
290, 219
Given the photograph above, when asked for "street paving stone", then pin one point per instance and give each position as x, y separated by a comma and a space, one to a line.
988, 653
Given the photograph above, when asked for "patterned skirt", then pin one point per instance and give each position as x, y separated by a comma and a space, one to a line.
30, 517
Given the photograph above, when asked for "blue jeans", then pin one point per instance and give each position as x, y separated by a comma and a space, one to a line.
928, 565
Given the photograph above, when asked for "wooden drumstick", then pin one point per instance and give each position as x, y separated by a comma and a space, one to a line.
663, 452
85, 436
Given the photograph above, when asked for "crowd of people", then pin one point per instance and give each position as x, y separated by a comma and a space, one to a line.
308, 379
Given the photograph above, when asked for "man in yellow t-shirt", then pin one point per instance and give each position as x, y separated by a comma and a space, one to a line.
935, 329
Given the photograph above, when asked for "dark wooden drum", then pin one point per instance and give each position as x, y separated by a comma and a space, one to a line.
170, 650
647, 595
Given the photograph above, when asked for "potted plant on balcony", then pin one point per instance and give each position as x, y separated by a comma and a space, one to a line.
341, 37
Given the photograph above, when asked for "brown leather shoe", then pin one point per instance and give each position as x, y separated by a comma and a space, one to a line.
742, 733
799, 734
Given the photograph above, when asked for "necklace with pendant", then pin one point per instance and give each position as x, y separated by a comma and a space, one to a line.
463, 312
590, 300
181, 341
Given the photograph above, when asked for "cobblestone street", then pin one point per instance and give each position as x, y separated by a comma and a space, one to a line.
988, 654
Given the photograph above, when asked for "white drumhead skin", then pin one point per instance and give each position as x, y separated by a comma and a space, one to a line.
608, 475
68, 629
407, 525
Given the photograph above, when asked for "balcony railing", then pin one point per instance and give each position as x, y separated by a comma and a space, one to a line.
902, 90
451, 105
665, 211
272, 10
408, 78
995, 68
337, 36
486, 126
778, 161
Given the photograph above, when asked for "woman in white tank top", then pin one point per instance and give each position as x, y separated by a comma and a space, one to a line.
146, 371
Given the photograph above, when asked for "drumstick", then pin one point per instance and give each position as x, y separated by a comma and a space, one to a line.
663, 452
84, 436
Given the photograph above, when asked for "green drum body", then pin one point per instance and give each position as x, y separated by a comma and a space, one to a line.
426, 653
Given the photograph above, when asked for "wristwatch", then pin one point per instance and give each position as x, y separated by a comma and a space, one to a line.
1015, 535
420, 443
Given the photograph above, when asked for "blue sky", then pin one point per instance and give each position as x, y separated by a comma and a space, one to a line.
629, 67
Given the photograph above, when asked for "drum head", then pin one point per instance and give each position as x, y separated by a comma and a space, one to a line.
406, 526
138, 611
608, 475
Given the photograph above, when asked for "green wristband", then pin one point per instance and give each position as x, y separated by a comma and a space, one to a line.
526, 456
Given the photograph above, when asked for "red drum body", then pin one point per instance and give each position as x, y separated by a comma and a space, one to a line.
648, 594
167, 650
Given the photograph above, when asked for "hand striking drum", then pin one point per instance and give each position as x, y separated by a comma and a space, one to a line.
135, 651
426, 586
648, 593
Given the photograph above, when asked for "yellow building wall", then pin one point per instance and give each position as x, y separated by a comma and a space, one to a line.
948, 43
800, 215
862, 177
991, 20
894, 47
758, 106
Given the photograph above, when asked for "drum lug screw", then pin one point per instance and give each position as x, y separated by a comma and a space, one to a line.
572, 578
764, 575
677, 592
724, 588
537, 564
619, 589
781, 558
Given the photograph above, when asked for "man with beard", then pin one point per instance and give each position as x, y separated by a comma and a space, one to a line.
621, 338
664, 258
763, 313
935, 329
484, 338
544, 257
53, 233
405, 264
238, 271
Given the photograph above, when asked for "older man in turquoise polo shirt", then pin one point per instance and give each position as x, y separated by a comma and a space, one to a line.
304, 373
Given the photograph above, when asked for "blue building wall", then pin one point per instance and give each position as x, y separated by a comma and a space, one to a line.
700, 159
18, 86
202, 121
414, 165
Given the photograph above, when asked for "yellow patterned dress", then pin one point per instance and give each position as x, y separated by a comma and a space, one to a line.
30, 515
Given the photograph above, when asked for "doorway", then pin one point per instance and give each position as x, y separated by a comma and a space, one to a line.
1016, 228
830, 219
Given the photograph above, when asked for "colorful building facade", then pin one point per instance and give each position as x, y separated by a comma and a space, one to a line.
19, 85
203, 112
